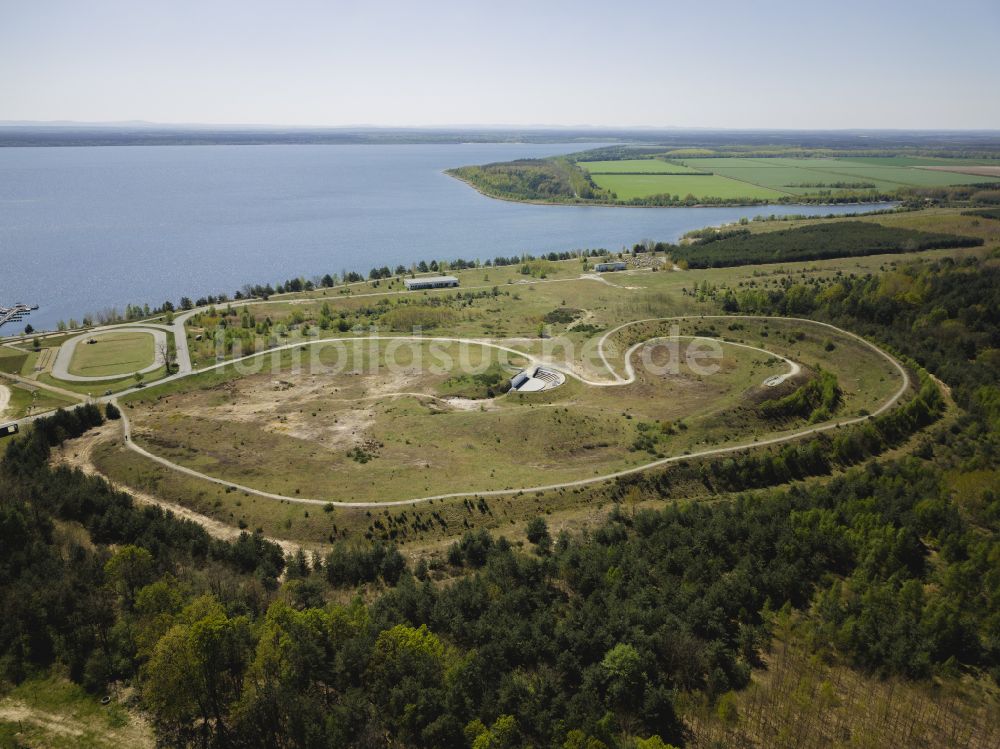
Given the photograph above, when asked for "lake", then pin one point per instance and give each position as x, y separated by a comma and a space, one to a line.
84, 229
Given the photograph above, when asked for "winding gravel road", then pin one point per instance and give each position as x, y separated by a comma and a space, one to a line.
617, 380
185, 369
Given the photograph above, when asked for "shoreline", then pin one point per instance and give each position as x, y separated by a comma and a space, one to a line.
606, 204
15, 338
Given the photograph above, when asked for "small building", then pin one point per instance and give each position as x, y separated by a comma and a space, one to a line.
430, 282
611, 266
536, 379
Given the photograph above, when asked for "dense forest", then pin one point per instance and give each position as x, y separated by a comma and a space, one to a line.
61, 594
589, 639
810, 242
555, 179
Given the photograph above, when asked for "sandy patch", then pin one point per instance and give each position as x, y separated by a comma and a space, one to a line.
471, 404
78, 454
603, 279
586, 318
19, 712
4, 400
331, 412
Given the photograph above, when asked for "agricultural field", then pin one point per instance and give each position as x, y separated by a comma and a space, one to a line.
810, 176
635, 166
113, 354
672, 177
771, 178
700, 186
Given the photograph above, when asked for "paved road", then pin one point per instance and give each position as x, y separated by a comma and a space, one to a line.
60, 369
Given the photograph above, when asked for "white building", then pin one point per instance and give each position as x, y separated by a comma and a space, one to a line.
430, 282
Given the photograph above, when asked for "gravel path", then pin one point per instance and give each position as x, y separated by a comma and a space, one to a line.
794, 369
185, 369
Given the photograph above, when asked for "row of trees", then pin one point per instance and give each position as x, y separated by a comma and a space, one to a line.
809, 242
135, 312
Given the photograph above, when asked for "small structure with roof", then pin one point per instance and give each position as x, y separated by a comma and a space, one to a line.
430, 282
536, 379
610, 266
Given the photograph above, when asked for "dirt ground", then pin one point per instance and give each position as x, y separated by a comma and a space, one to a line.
77, 454
44, 728
289, 405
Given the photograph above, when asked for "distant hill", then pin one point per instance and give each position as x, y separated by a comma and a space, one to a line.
21, 133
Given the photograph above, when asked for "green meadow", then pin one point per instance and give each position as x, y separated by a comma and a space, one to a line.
632, 166
794, 176
629, 186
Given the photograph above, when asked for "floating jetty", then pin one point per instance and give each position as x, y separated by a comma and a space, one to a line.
16, 313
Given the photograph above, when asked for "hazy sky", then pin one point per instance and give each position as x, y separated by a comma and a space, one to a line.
840, 64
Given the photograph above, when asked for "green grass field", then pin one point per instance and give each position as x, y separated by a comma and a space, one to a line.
789, 174
907, 176
629, 186
913, 161
25, 403
12, 360
114, 354
630, 166
728, 176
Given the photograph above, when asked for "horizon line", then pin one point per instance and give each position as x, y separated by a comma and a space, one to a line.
483, 126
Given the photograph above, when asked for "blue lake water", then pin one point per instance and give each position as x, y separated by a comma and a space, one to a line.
84, 229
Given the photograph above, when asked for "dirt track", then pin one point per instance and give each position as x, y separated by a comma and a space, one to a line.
616, 381
66, 729
77, 454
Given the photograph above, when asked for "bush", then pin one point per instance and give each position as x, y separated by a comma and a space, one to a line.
348, 565
538, 530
